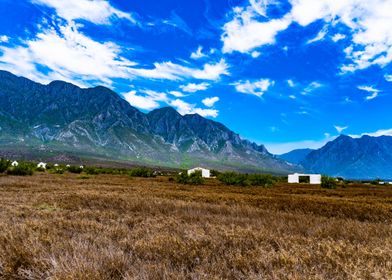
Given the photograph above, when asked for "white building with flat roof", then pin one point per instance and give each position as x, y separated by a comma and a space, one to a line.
313, 178
205, 173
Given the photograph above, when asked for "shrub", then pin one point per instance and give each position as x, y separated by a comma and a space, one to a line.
195, 178
20, 170
57, 171
232, 178
328, 182
142, 172
262, 180
75, 169
237, 179
91, 170
4, 164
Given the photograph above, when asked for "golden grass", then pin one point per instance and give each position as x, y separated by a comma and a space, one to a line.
115, 227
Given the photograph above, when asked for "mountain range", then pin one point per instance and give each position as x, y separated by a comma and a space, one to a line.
61, 121
355, 158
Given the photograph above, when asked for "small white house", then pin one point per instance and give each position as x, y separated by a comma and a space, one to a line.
81, 167
41, 165
68, 166
205, 173
14, 164
313, 178
56, 165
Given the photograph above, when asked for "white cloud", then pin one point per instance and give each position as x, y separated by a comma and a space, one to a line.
148, 101
172, 71
255, 54
143, 102
369, 23
185, 108
337, 37
378, 133
4, 39
374, 92
70, 56
194, 87
95, 11
245, 32
388, 78
311, 87
257, 88
368, 89
340, 129
291, 83
319, 37
372, 96
176, 93
198, 53
209, 102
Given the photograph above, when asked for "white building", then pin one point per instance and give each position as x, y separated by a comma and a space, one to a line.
14, 163
41, 165
205, 173
313, 178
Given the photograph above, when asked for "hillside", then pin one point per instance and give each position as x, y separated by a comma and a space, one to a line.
358, 158
39, 121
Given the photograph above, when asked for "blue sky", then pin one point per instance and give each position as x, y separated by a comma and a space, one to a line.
288, 74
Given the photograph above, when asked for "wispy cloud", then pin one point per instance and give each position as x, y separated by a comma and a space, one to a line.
319, 37
186, 108
4, 39
68, 54
378, 133
172, 71
340, 129
337, 37
245, 32
198, 53
374, 92
258, 87
210, 102
95, 11
195, 87
311, 87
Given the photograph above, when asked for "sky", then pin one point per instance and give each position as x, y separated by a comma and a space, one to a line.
284, 73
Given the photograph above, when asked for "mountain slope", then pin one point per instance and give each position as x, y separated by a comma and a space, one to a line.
65, 118
357, 158
296, 156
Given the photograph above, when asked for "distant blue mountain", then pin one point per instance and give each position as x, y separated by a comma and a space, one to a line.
356, 158
296, 156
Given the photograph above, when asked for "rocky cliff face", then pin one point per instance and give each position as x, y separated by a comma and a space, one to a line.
100, 122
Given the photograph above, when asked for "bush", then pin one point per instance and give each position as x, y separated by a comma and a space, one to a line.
20, 170
75, 169
4, 164
195, 178
142, 172
328, 182
237, 179
232, 179
91, 171
57, 171
262, 180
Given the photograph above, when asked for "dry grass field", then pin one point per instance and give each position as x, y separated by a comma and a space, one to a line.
117, 227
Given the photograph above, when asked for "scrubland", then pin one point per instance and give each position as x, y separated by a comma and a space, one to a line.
72, 226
